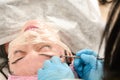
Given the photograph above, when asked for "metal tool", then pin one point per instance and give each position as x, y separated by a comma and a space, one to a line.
69, 56
77, 57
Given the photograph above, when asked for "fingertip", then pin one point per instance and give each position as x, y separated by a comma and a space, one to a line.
55, 59
88, 58
46, 64
77, 63
39, 72
86, 51
91, 52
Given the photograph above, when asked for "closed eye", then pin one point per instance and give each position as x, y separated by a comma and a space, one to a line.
45, 48
46, 55
17, 60
48, 46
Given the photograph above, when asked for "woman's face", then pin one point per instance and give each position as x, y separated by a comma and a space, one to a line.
28, 52
27, 59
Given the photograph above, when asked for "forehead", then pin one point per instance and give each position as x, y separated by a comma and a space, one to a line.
32, 38
25, 38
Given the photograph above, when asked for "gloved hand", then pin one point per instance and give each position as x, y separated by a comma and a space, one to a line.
54, 69
87, 66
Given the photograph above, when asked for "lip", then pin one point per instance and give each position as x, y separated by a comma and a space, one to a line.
30, 27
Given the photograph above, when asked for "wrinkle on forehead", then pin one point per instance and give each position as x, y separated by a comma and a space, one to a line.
45, 31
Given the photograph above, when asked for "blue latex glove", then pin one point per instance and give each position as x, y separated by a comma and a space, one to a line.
54, 69
86, 67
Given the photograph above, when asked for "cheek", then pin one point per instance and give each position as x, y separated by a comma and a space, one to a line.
28, 66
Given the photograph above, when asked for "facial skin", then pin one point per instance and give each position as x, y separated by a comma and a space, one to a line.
28, 52
27, 59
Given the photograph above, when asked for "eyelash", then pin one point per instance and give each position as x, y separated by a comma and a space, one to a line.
17, 60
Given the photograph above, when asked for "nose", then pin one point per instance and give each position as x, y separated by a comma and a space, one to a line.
32, 54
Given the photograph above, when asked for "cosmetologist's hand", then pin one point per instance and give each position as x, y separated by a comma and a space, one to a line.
54, 69
87, 66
